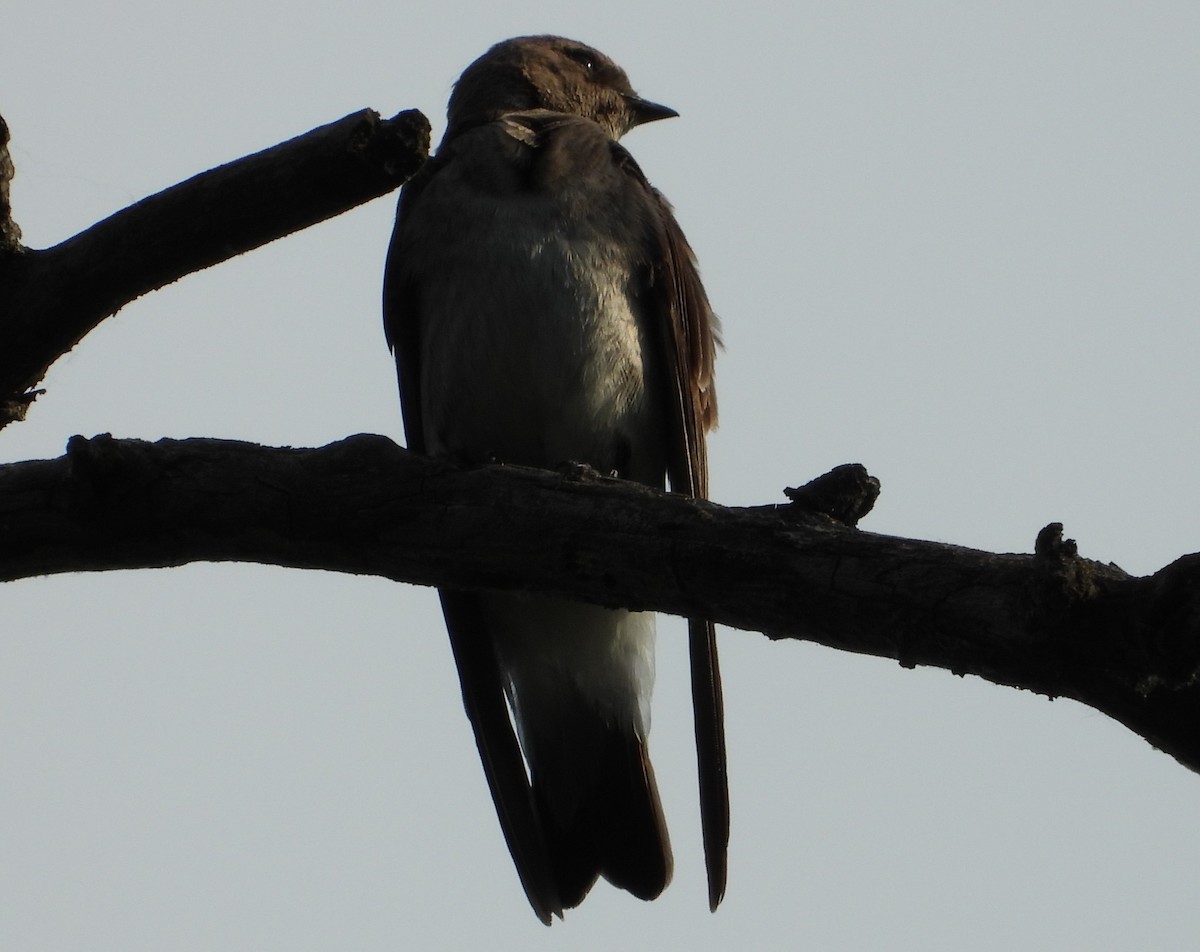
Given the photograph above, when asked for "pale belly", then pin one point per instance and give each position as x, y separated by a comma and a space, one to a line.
547, 364
532, 353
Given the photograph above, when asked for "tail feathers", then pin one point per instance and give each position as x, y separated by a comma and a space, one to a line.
604, 819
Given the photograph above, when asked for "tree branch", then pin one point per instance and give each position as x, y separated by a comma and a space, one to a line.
52, 298
10, 233
1050, 622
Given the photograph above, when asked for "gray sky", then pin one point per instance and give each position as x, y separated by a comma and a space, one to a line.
955, 242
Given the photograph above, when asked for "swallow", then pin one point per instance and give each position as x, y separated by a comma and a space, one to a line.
544, 307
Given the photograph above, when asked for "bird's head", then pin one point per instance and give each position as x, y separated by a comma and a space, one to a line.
549, 72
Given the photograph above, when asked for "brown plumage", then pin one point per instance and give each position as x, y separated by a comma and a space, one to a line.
544, 306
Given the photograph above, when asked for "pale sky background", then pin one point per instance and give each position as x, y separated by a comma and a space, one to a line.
957, 242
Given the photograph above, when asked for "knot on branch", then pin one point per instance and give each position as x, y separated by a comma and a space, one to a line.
400, 144
1050, 546
846, 493
1059, 557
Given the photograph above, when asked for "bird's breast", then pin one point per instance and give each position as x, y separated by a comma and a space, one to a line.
534, 347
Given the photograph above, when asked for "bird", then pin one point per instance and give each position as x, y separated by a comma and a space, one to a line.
544, 309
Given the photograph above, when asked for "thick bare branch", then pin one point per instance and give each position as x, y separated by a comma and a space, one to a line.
52, 298
1049, 622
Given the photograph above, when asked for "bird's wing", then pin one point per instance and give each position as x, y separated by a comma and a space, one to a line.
401, 320
690, 335
484, 700
478, 669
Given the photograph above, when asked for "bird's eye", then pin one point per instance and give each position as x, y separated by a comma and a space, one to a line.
584, 58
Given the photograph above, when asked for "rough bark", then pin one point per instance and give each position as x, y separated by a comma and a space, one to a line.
10, 234
1050, 621
50, 299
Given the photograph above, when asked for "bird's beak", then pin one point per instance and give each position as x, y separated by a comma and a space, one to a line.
644, 111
